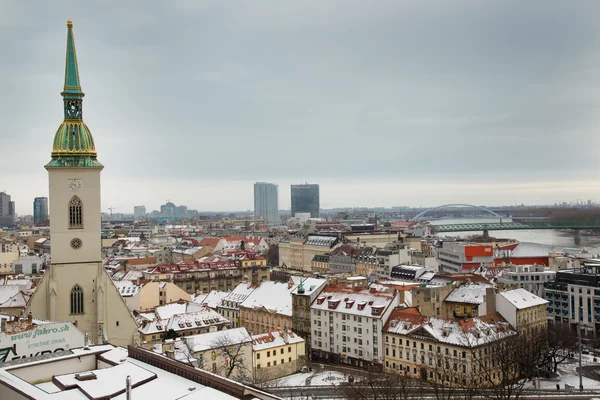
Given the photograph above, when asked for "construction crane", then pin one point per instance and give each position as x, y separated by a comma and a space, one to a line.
111, 208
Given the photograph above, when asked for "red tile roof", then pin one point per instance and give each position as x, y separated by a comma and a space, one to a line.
210, 242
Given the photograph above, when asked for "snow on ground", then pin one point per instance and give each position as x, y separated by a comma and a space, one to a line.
317, 378
568, 374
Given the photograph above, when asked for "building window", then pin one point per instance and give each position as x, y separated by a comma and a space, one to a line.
75, 213
77, 300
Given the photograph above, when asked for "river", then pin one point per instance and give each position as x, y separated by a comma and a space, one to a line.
591, 243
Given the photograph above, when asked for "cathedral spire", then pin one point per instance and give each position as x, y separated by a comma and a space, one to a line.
72, 85
73, 141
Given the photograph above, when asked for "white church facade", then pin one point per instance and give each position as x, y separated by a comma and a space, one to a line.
76, 288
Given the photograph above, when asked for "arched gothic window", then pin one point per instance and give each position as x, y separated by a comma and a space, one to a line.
75, 213
77, 300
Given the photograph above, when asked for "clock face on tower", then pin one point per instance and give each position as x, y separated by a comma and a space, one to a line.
74, 185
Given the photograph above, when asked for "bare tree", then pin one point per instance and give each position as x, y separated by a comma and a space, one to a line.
448, 376
561, 343
233, 352
273, 255
504, 361
377, 385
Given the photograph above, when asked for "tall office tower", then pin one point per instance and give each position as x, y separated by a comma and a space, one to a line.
266, 201
305, 199
7, 210
139, 212
40, 209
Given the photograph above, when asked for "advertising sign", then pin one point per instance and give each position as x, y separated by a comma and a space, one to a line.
41, 339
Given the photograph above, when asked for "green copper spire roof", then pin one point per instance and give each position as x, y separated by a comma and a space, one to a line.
72, 85
73, 142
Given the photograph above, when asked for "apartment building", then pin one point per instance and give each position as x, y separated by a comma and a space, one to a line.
154, 331
574, 298
320, 264
470, 300
276, 354
268, 308
229, 306
523, 310
437, 349
303, 295
347, 324
429, 300
529, 277
366, 261
222, 274
214, 351
297, 253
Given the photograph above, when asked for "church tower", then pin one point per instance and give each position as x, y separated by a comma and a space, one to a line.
76, 287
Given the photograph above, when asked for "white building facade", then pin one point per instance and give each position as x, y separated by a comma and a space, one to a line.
528, 277
347, 324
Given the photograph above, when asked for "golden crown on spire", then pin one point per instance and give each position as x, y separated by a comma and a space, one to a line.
69, 24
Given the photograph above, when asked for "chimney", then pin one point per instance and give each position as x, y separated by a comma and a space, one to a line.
128, 387
286, 336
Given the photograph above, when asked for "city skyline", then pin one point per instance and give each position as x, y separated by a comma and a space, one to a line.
464, 123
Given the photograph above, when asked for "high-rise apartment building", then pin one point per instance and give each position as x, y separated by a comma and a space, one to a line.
266, 201
7, 210
40, 209
305, 199
139, 212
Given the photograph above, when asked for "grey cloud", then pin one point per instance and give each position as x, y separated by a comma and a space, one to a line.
461, 90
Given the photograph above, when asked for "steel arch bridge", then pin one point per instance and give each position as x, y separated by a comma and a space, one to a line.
444, 206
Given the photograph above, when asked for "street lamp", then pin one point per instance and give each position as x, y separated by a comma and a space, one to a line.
580, 370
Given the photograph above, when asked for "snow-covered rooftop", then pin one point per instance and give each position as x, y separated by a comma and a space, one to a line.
528, 249
214, 340
212, 300
471, 332
273, 296
315, 240
8, 291
310, 284
168, 310
521, 298
367, 302
148, 381
274, 339
237, 295
183, 322
467, 293
127, 288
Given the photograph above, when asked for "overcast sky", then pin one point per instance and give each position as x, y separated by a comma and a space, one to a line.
382, 103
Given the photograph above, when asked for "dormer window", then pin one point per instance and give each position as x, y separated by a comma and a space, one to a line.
376, 310
332, 305
320, 300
